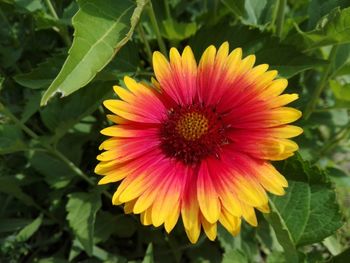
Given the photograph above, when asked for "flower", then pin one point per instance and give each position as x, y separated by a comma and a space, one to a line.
198, 141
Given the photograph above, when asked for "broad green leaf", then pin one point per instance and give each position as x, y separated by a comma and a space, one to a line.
101, 29
56, 173
62, 114
11, 139
11, 186
333, 245
276, 257
177, 31
234, 256
341, 60
319, 8
283, 234
13, 224
268, 49
341, 92
41, 76
332, 29
28, 5
108, 224
227, 241
308, 212
126, 63
148, 258
252, 12
32, 105
82, 209
29, 230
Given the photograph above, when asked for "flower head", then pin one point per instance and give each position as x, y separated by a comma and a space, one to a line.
198, 142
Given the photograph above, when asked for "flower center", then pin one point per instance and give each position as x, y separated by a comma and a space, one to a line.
192, 126
191, 133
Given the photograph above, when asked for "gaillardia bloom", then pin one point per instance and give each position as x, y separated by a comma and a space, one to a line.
198, 142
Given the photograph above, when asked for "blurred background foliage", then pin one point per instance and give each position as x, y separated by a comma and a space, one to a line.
51, 208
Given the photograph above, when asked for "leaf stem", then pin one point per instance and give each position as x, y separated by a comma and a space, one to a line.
338, 137
51, 9
50, 149
280, 17
145, 42
167, 10
62, 30
310, 107
154, 23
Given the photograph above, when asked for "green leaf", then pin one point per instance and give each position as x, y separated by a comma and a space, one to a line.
43, 74
268, 49
276, 257
308, 212
235, 256
227, 241
11, 186
108, 224
252, 12
99, 253
176, 30
332, 29
101, 29
56, 173
13, 224
11, 139
319, 8
52, 260
82, 209
148, 258
62, 114
32, 105
341, 92
29, 230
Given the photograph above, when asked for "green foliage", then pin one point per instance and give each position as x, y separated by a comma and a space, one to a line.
52, 208
101, 29
334, 28
308, 212
267, 48
82, 209
29, 229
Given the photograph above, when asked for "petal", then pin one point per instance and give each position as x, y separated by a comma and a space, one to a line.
230, 222
249, 214
210, 229
286, 131
207, 196
172, 218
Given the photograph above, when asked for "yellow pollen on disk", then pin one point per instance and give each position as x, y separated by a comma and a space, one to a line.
192, 126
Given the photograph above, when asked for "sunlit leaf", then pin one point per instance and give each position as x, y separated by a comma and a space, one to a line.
308, 212
29, 229
149, 255
101, 29
332, 29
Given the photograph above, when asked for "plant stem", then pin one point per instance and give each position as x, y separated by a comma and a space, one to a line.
50, 149
280, 17
338, 137
62, 30
310, 107
51, 9
154, 23
167, 10
145, 42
